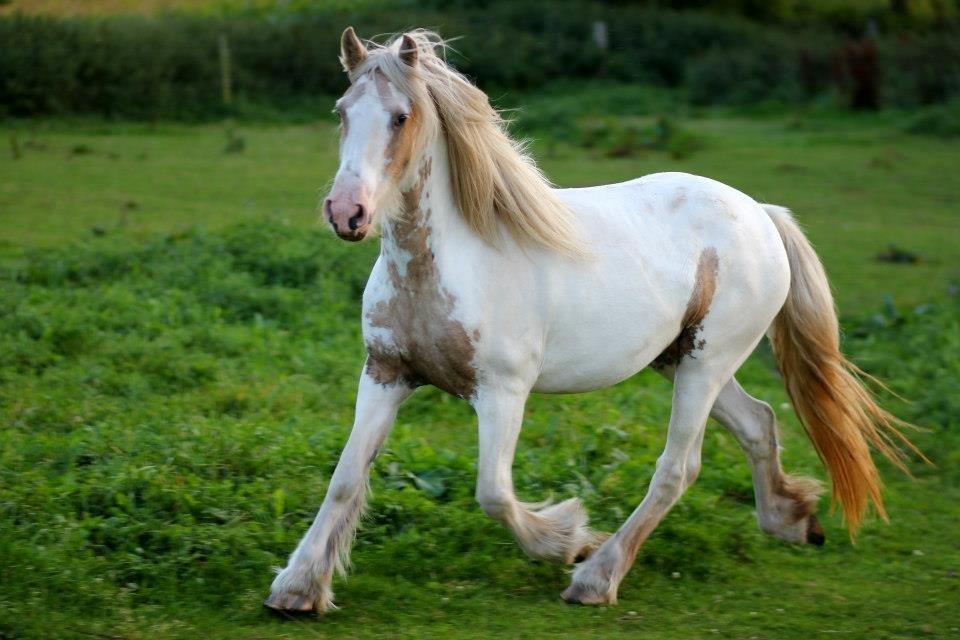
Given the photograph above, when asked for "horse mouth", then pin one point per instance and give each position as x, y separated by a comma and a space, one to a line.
353, 235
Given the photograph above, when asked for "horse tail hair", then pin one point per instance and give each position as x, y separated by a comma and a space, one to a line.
840, 415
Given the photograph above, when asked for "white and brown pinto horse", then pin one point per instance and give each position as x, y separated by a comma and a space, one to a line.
491, 285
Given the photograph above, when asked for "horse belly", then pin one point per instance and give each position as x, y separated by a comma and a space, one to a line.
597, 371
598, 343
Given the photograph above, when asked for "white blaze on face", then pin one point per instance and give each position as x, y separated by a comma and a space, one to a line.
369, 111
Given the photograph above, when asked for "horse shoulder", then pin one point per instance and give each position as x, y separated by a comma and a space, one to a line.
412, 329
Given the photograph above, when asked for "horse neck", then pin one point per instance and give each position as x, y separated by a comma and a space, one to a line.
428, 218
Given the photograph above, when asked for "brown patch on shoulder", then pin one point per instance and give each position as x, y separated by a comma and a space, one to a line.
387, 371
704, 288
428, 345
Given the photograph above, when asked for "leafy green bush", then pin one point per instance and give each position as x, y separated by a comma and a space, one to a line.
674, 139
919, 69
743, 76
657, 46
940, 122
621, 137
168, 66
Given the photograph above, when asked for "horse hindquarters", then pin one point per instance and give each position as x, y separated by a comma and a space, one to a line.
715, 343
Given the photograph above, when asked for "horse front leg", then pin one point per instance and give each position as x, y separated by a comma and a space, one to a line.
554, 532
305, 583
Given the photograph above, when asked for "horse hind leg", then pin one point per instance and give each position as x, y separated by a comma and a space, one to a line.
696, 386
785, 504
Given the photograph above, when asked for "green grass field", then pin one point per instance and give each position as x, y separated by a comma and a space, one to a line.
179, 344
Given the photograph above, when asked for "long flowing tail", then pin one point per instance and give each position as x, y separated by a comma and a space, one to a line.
838, 412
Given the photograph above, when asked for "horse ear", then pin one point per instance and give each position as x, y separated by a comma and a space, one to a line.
352, 51
408, 50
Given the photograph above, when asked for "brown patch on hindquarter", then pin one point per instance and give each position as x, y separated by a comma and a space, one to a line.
704, 288
428, 345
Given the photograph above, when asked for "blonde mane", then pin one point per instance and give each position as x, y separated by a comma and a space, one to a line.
494, 178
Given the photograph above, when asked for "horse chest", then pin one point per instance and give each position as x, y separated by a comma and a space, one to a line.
414, 336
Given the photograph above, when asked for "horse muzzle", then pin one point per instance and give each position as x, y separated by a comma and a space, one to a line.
350, 220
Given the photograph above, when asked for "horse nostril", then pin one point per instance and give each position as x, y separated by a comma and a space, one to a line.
357, 219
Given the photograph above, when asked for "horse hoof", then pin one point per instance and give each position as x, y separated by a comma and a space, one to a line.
815, 532
576, 594
290, 603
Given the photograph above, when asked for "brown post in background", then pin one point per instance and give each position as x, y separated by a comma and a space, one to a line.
235, 143
226, 73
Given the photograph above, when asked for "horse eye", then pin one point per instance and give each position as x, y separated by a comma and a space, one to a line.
400, 119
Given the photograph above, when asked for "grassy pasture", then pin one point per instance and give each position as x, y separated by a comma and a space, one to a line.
179, 343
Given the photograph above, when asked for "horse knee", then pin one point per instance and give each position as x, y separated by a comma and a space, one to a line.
671, 476
760, 440
343, 491
495, 502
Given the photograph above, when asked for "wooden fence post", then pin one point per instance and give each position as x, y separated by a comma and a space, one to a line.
226, 72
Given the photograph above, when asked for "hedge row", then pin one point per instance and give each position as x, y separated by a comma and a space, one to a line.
168, 67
